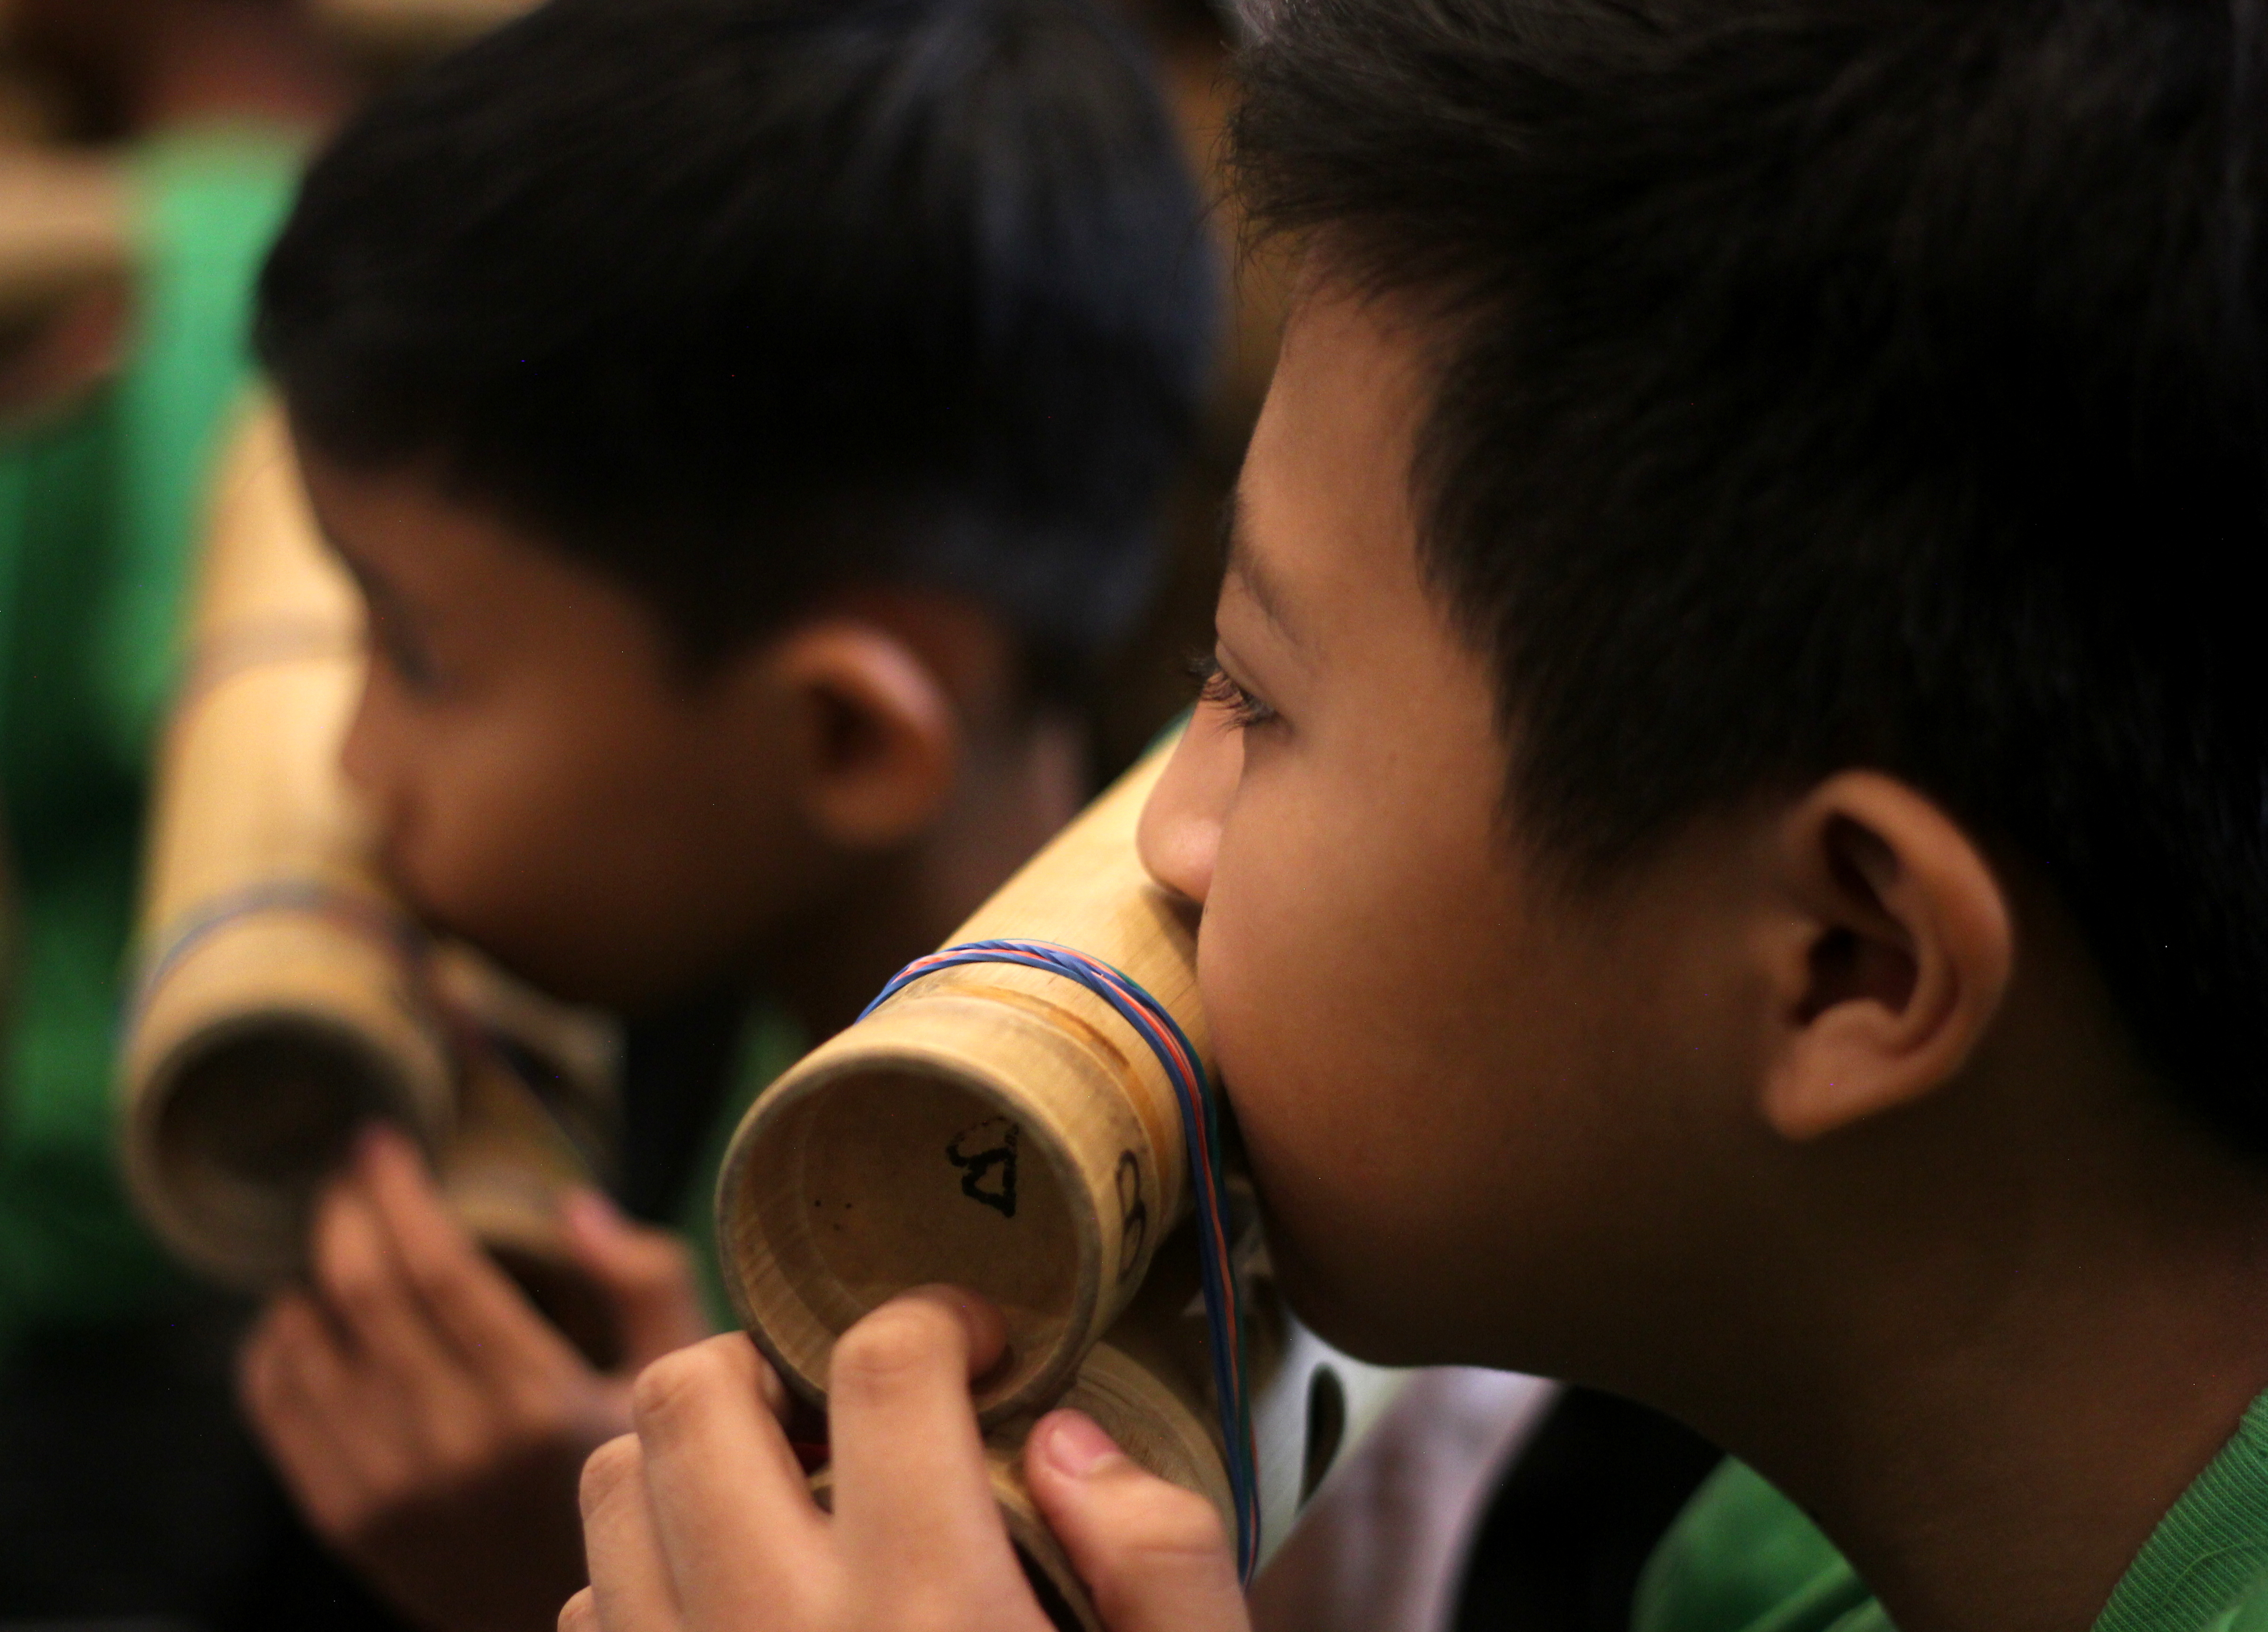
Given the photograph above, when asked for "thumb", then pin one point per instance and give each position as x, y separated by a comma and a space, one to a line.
644, 1271
1153, 1554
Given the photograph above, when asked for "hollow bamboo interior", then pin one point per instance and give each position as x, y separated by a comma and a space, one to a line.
994, 1127
1150, 1418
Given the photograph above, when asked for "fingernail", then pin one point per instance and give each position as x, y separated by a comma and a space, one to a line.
1075, 1443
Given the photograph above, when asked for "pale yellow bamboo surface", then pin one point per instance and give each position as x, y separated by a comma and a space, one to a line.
997, 1127
850, 1181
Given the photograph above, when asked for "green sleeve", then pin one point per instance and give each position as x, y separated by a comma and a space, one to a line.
67, 1245
1744, 1558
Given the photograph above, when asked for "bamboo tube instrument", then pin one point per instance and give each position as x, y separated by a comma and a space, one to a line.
284, 997
1007, 1129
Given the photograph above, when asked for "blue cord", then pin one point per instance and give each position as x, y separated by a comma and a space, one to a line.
1155, 1024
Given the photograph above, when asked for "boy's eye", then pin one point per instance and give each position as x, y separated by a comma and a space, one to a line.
1219, 688
411, 663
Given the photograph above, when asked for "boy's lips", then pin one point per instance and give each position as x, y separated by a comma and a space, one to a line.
1191, 914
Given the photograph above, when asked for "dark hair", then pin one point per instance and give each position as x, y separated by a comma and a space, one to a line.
1834, 382
743, 299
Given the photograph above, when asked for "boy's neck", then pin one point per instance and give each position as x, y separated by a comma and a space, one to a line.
2041, 1305
2059, 1416
1019, 783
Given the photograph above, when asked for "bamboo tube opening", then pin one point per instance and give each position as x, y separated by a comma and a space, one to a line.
894, 1172
252, 1119
888, 1157
286, 997
262, 1046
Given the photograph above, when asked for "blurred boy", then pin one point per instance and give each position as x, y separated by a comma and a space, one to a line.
747, 420
1728, 823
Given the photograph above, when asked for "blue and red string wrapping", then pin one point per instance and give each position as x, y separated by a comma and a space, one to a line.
1156, 1026
360, 915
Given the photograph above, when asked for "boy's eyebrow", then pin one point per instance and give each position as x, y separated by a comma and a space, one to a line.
1251, 569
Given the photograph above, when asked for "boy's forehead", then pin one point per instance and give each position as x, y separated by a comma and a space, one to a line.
1250, 570
1322, 519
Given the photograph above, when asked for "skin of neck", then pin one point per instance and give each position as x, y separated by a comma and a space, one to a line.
2034, 1299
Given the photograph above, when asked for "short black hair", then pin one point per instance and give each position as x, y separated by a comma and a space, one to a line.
742, 300
1820, 383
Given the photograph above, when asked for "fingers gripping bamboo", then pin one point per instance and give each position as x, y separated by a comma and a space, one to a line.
1157, 1426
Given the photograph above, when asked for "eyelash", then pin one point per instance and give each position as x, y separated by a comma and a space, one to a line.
1218, 687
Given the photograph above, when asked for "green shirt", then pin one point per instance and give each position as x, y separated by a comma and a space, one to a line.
100, 510
1742, 1558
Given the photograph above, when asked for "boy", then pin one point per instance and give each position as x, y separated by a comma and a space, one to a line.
747, 420
1743, 589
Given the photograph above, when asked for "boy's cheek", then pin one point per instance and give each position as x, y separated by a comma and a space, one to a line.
592, 903
476, 856
1372, 1019
1287, 1004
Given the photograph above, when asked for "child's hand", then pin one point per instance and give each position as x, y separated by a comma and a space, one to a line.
703, 1521
429, 1422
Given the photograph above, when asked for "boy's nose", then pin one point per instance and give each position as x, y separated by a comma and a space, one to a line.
360, 762
1179, 830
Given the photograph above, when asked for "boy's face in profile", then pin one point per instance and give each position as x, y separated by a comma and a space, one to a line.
547, 782
1462, 1089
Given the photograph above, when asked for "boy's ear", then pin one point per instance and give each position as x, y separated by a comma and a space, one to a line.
1894, 962
876, 741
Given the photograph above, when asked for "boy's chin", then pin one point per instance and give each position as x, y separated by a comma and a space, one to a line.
633, 994
560, 969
